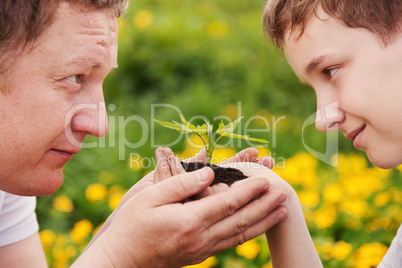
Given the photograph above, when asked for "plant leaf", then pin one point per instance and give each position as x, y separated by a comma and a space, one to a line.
229, 128
195, 129
188, 124
175, 125
244, 137
209, 127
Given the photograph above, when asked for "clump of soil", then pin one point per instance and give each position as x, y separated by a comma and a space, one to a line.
222, 174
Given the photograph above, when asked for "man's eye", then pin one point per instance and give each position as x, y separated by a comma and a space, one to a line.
75, 78
331, 71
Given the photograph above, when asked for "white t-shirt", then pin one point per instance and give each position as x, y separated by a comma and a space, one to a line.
393, 257
17, 218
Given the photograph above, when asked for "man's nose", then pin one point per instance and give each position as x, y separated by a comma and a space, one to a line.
90, 119
329, 116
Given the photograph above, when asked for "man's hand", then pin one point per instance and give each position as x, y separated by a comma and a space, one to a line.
155, 229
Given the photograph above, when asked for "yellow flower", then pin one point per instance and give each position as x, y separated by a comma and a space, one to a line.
352, 163
95, 192
193, 144
269, 265
249, 249
195, 141
62, 203
143, 19
326, 250
333, 193
115, 199
210, 262
399, 167
381, 199
231, 110
61, 257
325, 216
61, 240
300, 170
222, 154
47, 237
369, 255
81, 230
71, 251
354, 206
218, 29
263, 151
396, 194
309, 198
341, 250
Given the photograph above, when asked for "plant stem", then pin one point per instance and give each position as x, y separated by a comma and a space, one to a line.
213, 147
206, 147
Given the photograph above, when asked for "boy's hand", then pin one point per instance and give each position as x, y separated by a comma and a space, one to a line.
168, 165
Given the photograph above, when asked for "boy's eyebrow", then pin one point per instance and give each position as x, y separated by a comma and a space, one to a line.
314, 63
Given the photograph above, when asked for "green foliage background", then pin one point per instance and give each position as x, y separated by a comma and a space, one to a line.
202, 57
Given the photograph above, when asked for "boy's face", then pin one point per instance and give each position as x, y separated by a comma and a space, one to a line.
55, 99
358, 83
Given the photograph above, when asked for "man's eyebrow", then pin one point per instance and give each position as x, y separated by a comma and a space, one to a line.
314, 63
90, 62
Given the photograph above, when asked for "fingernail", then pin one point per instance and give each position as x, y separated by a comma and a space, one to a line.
280, 217
202, 175
158, 153
281, 199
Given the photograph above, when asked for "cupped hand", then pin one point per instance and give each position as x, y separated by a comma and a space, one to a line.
155, 229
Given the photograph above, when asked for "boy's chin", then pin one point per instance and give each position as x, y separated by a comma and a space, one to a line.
384, 161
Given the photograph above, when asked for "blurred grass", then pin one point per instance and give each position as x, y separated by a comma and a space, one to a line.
209, 58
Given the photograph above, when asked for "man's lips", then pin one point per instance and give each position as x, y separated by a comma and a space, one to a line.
352, 135
67, 151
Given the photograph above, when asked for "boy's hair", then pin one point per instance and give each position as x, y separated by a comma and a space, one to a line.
381, 17
22, 21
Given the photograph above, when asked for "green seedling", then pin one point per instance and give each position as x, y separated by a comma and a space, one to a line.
207, 129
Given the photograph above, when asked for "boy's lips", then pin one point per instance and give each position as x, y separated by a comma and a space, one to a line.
356, 136
352, 135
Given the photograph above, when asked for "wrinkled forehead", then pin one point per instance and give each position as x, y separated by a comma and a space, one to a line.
73, 18
79, 29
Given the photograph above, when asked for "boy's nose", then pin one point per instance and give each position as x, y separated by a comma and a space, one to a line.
328, 117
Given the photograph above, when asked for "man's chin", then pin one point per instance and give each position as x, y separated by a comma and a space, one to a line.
50, 184
39, 183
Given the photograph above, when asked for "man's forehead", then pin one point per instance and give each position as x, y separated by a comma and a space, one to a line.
87, 20
81, 37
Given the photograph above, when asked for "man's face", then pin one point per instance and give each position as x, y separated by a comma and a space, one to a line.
358, 83
55, 99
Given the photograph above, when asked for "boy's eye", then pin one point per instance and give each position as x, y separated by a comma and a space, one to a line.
331, 71
75, 78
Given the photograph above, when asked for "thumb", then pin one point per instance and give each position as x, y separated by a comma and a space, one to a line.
179, 187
